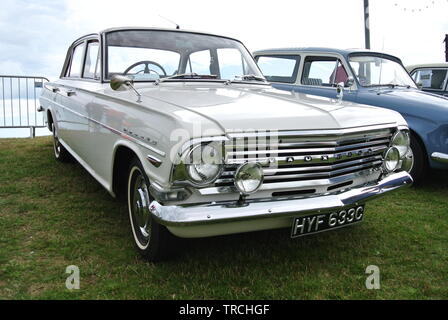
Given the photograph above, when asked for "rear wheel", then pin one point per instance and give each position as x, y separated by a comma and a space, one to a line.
420, 166
152, 239
60, 153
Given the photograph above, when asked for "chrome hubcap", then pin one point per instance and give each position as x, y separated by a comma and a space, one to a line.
56, 143
140, 201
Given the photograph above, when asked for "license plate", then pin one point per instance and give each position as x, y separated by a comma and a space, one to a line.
316, 223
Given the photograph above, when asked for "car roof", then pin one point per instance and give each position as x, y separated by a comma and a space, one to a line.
344, 52
427, 65
151, 29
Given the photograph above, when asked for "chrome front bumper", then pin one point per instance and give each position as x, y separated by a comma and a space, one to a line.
440, 157
220, 219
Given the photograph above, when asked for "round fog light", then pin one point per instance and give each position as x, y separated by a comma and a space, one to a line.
249, 178
391, 159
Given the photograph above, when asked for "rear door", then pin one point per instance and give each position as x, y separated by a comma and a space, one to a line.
76, 94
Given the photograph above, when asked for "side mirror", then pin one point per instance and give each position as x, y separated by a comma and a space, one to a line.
340, 90
119, 83
350, 82
420, 85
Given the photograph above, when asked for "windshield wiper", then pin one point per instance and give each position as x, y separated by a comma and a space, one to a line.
394, 85
390, 85
249, 77
187, 76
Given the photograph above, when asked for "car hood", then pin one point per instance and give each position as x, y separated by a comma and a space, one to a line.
256, 107
410, 102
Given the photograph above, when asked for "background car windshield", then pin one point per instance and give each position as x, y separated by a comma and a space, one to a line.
147, 55
377, 71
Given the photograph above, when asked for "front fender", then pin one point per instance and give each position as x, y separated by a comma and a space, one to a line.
433, 135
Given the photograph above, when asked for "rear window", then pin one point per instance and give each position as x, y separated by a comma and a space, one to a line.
279, 68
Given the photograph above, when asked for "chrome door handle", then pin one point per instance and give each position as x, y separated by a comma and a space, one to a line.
70, 93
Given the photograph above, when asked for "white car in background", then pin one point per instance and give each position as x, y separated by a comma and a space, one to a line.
186, 128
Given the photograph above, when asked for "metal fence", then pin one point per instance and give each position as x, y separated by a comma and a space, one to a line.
19, 103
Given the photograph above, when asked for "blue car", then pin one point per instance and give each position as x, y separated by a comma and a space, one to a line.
371, 78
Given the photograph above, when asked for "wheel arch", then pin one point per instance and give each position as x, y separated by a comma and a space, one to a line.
122, 157
50, 119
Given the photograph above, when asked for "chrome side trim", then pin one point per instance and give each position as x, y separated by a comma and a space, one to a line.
209, 214
117, 132
154, 161
440, 157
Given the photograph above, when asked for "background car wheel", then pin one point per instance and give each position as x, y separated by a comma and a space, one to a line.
153, 240
60, 153
420, 166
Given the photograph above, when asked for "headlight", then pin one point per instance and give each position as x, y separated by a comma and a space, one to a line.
391, 159
407, 163
402, 141
204, 163
249, 178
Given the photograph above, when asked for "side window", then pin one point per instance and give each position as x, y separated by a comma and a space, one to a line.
91, 65
323, 71
434, 79
200, 62
279, 68
75, 66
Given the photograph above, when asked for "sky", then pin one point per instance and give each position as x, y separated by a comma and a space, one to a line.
34, 35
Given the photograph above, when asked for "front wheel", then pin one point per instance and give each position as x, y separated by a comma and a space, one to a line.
153, 241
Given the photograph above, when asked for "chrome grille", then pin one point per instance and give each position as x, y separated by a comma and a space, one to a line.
292, 156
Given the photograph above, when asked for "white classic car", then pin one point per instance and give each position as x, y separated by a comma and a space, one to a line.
186, 128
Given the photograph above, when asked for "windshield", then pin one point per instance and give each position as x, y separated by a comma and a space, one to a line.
374, 71
149, 55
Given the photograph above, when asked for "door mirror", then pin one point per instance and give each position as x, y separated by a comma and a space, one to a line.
122, 83
119, 83
340, 90
420, 85
350, 82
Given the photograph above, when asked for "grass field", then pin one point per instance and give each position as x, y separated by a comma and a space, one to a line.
53, 215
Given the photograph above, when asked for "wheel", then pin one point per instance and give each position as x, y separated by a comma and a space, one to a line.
152, 240
60, 153
420, 166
